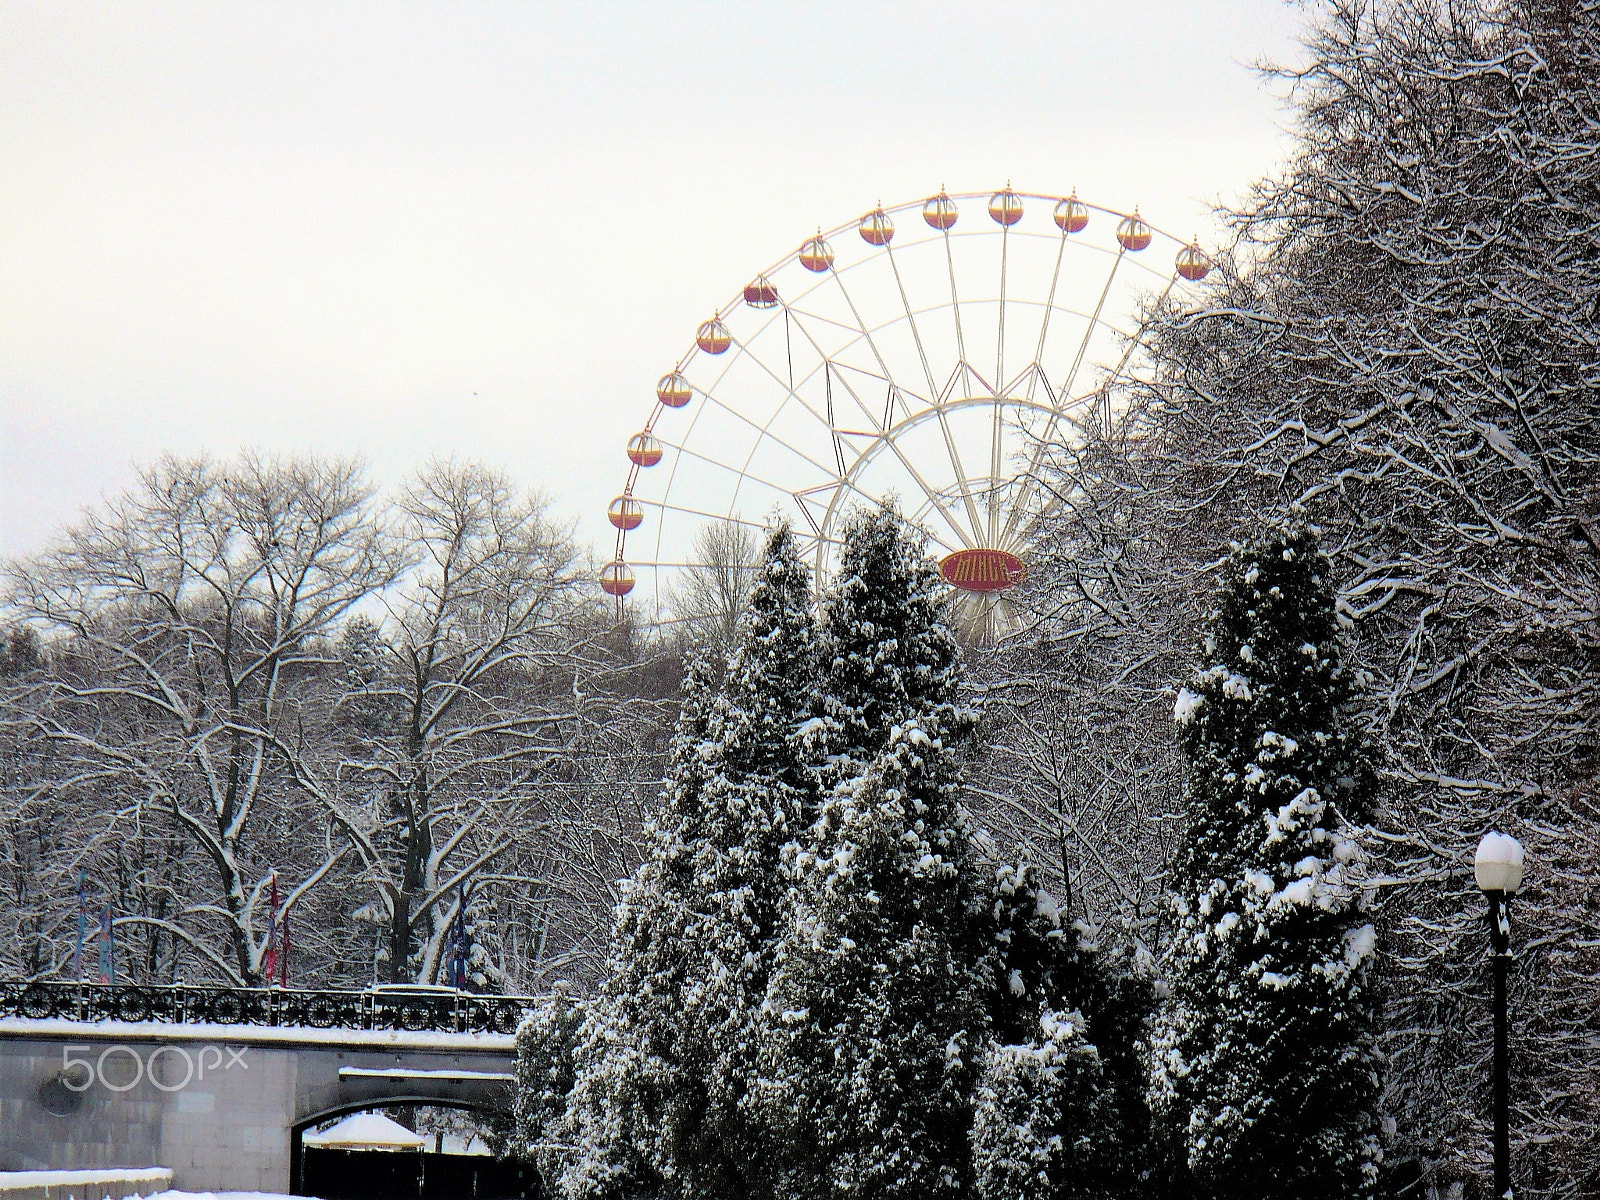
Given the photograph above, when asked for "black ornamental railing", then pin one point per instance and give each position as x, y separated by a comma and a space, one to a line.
416, 1010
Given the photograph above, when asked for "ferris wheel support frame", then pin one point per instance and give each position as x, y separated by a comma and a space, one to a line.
968, 526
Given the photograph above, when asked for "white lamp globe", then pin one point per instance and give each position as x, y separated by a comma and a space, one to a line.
1498, 865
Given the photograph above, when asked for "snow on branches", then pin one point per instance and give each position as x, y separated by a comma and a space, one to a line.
1264, 1072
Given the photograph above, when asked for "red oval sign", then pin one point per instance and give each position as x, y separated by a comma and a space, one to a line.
982, 570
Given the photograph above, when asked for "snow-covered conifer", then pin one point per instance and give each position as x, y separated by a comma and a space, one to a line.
877, 1009
887, 652
697, 926
546, 1044
605, 1147
1264, 1076
484, 946
1410, 349
1061, 1100
1039, 1115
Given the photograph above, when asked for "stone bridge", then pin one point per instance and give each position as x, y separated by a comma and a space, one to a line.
224, 1104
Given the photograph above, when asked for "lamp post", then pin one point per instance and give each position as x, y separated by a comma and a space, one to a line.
1498, 870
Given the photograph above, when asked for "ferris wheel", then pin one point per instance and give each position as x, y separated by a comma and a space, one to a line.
930, 351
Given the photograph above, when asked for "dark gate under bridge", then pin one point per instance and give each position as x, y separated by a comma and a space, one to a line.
400, 1175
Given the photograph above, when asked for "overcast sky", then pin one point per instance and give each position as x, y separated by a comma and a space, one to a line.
484, 229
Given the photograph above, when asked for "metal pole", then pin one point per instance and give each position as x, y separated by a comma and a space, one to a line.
1500, 939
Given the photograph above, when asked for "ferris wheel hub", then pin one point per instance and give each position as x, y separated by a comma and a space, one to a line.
982, 570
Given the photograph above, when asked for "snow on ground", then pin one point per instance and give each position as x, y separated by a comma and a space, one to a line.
118, 1181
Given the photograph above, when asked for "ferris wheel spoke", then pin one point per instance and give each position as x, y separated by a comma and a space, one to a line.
865, 333
823, 319
836, 370
837, 488
826, 420
1049, 308
1134, 342
919, 517
1035, 460
1000, 333
1094, 323
882, 431
684, 451
877, 354
948, 435
832, 366
993, 501
886, 439
911, 320
842, 469
789, 392
955, 299
764, 432
700, 512
858, 336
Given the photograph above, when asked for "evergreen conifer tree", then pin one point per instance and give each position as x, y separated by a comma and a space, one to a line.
887, 652
877, 1007
1264, 1076
1060, 1109
546, 1045
1040, 1110
672, 1048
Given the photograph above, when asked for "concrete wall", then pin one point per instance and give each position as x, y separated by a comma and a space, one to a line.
218, 1105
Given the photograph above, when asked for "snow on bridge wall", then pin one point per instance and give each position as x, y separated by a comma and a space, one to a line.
221, 1105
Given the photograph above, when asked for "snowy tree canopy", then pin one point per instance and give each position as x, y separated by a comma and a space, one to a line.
671, 1037
1405, 342
1264, 1075
876, 1006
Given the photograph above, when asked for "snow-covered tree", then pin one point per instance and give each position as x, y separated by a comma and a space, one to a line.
876, 1012
1039, 1116
1411, 349
187, 620
708, 598
475, 676
1061, 1098
1406, 342
546, 1047
197, 699
1264, 1073
673, 1035
887, 653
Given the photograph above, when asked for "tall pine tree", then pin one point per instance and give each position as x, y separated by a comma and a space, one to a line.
698, 925
1264, 1076
877, 1007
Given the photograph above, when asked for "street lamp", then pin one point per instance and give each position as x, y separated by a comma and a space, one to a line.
1498, 870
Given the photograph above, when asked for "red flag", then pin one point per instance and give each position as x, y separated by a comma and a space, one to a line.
270, 967
283, 963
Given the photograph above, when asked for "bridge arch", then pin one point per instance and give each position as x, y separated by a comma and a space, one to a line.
298, 1129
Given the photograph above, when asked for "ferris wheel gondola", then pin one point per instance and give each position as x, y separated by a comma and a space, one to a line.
931, 350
